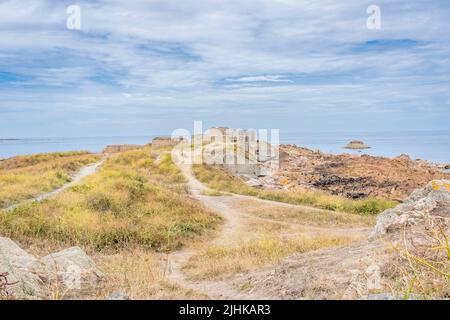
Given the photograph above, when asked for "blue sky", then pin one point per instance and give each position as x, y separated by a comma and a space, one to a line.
149, 67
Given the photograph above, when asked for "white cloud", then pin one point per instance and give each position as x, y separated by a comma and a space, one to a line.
214, 56
267, 78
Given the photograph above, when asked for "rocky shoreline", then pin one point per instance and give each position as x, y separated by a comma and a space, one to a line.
351, 176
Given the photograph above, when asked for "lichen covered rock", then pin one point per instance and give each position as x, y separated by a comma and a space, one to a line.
429, 204
32, 278
74, 269
20, 268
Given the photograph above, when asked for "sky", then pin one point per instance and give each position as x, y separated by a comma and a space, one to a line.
149, 67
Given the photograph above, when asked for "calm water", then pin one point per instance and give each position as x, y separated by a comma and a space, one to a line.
428, 145
433, 146
9, 148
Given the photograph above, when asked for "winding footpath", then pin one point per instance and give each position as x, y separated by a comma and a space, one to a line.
80, 175
226, 206
216, 289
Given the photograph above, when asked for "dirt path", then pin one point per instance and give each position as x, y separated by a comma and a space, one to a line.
216, 289
234, 221
82, 173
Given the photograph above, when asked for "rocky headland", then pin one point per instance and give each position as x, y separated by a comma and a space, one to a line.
351, 176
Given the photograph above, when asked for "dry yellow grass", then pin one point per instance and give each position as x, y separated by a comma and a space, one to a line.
422, 271
135, 271
141, 274
265, 233
124, 216
304, 215
257, 242
217, 261
131, 200
25, 177
213, 193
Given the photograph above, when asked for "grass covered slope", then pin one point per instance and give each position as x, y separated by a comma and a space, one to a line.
25, 177
217, 261
219, 179
136, 198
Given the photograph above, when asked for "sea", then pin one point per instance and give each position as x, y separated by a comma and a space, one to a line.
433, 146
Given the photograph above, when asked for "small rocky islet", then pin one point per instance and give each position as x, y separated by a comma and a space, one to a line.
357, 145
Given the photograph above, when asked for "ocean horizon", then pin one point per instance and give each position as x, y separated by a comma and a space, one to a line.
433, 146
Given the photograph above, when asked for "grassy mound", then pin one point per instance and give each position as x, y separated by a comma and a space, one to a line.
136, 198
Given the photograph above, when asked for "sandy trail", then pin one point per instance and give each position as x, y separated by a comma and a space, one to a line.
216, 289
234, 220
76, 178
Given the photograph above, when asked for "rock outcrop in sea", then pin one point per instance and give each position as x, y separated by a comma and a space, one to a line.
357, 145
